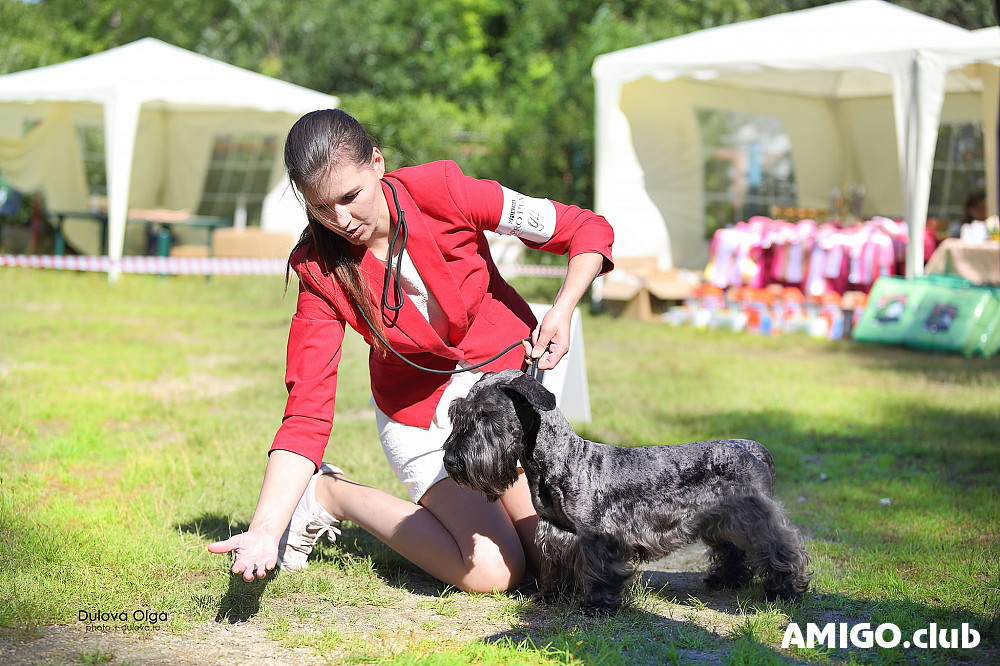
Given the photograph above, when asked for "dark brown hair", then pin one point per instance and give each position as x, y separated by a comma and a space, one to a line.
318, 142
972, 199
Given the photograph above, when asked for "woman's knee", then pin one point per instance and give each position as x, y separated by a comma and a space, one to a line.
492, 557
491, 568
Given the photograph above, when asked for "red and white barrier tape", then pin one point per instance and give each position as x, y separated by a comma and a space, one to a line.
151, 265
203, 265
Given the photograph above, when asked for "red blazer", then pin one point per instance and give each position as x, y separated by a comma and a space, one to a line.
446, 213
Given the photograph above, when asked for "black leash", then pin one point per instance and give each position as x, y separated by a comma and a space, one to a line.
397, 293
433, 370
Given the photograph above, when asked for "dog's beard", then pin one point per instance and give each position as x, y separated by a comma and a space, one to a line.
479, 454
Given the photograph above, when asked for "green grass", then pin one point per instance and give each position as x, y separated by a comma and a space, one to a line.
135, 421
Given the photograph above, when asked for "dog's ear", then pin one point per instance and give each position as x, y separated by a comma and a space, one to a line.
531, 390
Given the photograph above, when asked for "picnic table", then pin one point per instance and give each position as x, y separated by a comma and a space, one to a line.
978, 263
158, 223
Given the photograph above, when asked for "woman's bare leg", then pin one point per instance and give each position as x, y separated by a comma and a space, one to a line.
454, 534
517, 503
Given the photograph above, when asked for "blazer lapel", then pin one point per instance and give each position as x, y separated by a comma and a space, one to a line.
422, 244
407, 326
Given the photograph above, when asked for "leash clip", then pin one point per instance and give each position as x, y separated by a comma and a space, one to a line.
532, 369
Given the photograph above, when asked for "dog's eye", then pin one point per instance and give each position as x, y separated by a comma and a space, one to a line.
496, 421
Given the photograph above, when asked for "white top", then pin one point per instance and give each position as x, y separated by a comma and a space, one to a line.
413, 286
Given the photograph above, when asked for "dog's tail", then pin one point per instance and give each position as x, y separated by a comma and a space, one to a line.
761, 453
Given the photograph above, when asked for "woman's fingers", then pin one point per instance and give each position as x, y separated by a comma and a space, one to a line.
254, 558
232, 543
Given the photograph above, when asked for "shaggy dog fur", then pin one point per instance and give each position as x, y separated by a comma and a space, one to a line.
603, 508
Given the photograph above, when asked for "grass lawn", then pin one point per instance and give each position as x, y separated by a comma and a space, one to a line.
135, 421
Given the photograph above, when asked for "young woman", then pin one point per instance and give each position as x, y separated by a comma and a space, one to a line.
402, 258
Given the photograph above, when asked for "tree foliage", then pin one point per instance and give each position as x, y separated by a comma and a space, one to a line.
501, 86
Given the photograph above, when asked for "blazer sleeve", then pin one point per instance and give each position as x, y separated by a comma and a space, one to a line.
315, 345
561, 229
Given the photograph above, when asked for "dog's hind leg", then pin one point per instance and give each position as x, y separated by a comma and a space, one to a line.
728, 567
755, 525
782, 561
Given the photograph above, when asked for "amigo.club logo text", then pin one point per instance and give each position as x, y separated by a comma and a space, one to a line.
844, 635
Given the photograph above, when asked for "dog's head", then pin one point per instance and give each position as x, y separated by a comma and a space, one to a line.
487, 435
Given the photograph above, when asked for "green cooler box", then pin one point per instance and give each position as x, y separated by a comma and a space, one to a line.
989, 338
892, 308
952, 319
937, 312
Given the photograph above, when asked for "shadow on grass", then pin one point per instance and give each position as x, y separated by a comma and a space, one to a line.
936, 366
212, 526
632, 636
696, 625
241, 602
737, 627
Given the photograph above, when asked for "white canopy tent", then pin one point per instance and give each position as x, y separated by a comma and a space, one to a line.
860, 87
161, 108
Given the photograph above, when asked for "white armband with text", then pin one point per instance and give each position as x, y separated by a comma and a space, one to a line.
526, 218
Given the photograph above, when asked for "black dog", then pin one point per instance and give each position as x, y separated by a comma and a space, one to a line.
602, 508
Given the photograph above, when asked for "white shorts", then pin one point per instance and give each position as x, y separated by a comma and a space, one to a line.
416, 454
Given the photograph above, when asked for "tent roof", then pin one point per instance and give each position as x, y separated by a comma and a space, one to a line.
981, 46
149, 70
868, 35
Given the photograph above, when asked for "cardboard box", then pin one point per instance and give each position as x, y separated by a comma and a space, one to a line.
189, 251
252, 242
639, 289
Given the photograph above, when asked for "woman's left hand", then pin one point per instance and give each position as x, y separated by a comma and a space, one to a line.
550, 339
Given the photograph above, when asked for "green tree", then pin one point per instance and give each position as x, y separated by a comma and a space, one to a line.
502, 86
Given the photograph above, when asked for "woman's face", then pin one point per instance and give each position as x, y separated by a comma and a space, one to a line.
349, 201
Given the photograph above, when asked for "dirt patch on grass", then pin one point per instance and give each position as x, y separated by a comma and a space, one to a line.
211, 643
196, 386
304, 630
673, 612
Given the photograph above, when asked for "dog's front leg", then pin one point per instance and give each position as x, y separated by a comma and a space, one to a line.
552, 582
558, 551
602, 571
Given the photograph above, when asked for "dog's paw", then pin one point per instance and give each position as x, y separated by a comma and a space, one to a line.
730, 580
784, 591
544, 597
549, 596
606, 604
599, 609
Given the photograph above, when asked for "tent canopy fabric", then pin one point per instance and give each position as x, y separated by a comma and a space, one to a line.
860, 87
160, 107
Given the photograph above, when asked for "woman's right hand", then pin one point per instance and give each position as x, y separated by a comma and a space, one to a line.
256, 549
256, 553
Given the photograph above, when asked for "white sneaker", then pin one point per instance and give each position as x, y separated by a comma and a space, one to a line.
309, 522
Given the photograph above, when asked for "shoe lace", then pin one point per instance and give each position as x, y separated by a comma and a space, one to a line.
317, 528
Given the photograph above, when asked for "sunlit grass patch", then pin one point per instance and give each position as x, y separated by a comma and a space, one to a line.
135, 421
